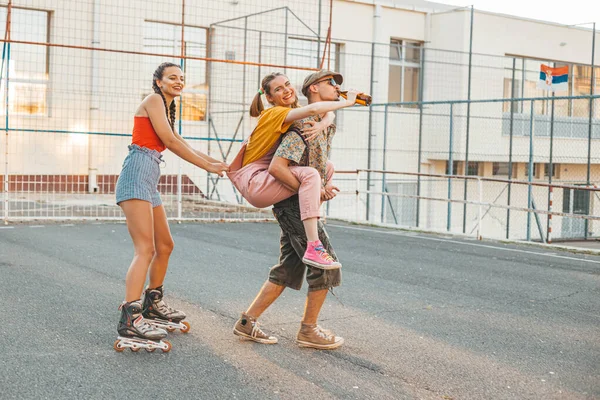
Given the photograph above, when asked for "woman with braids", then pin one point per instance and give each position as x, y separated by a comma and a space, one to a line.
137, 194
250, 170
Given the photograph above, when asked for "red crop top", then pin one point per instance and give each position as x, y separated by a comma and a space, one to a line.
145, 136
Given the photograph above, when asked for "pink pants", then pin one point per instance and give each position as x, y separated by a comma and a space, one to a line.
261, 189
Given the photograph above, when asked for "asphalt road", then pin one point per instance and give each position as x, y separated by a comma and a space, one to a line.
423, 316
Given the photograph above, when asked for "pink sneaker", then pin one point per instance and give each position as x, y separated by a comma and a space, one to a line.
317, 256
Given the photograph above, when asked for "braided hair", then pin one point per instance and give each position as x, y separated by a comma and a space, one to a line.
171, 108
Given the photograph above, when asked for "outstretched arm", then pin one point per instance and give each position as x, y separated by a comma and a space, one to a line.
156, 112
320, 107
198, 152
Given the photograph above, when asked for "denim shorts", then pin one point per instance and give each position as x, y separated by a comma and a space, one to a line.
290, 270
140, 175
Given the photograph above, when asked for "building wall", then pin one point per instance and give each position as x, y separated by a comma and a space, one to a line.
123, 79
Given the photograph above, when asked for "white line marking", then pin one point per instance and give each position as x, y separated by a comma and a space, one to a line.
68, 225
466, 244
6, 227
37, 226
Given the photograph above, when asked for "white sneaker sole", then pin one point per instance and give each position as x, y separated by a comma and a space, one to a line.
331, 346
243, 335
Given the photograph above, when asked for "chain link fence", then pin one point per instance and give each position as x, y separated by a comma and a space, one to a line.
73, 72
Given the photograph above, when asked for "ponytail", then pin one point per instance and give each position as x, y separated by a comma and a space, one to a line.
257, 105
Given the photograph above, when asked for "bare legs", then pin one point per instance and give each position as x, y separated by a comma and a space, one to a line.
270, 292
152, 244
310, 227
163, 244
312, 308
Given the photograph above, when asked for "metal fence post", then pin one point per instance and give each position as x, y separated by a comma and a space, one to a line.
244, 69
6, 56
209, 106
419, 157
589, 156
550, 165
550, 199
510, 147
285, 43
182, 64
479, 217
179, 188
383, 182
370, 144
530, 175
468, 123
357, 195
318, 35
450, 170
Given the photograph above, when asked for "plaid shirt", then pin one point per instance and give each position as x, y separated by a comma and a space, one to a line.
293, 148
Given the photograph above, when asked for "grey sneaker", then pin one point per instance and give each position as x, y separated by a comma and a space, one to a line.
248, 328
315, 337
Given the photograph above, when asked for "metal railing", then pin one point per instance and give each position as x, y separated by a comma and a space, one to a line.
476, 199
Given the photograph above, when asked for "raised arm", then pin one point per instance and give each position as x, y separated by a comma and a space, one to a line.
320, 107
155, 108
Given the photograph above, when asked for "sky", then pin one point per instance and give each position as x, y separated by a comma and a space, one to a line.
563, 12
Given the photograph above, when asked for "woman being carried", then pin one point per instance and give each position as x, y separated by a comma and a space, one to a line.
249, 171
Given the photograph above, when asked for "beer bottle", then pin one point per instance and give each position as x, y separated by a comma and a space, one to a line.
361, 98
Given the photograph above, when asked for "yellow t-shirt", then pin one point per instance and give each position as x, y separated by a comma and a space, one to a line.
267, 132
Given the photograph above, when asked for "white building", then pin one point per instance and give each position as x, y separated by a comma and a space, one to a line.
399, 51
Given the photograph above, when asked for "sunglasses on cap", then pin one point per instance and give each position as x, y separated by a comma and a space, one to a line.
329, 80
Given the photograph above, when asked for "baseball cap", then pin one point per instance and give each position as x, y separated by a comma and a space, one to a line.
316, 76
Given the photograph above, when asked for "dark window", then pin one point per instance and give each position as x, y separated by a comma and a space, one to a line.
454, 168
473, 168
500, 168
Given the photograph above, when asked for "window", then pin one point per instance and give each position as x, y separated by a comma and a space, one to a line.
28, 65
580, 200
473, 168
305, 53
555, 169
500, 168
508, 93
405, 69
582, 76
455, 165
538, 169
165, 38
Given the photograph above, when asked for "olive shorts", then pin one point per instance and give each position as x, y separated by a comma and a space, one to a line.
290, 270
